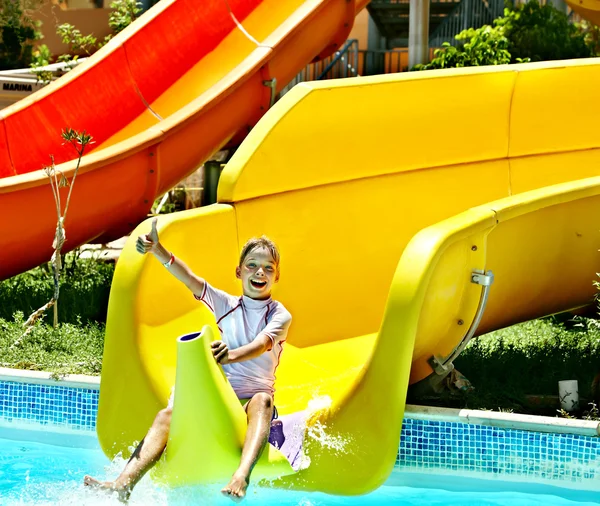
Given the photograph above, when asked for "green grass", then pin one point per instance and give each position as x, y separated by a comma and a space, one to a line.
76, 345
68, 349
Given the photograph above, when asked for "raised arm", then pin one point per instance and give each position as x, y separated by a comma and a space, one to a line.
150, 243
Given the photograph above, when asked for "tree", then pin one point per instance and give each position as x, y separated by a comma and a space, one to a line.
18, 32
79, 141
482, 46
541, 32
591, 35
124, 12
529, 32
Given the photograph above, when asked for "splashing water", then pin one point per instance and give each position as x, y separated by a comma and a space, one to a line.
58, 480
319, 403
318, 430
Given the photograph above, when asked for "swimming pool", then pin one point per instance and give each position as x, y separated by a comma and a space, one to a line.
48, 442
35, 473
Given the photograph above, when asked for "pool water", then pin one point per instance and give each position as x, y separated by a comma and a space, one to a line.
35, 473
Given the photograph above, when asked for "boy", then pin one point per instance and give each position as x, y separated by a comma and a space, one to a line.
253, 329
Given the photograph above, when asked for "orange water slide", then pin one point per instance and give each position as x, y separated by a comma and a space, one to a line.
158, 99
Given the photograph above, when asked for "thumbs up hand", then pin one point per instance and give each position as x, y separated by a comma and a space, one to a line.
148, 242
153, 235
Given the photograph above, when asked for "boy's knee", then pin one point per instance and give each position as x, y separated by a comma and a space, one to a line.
164, 417
263, 400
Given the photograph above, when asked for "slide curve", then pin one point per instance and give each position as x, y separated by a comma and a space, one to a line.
159, 99
587, 9
390, 233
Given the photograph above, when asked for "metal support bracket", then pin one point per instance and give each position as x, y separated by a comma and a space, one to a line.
271, 83
482, 278
443, 366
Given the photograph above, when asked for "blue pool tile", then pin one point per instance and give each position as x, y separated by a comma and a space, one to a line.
424, 444
49, 404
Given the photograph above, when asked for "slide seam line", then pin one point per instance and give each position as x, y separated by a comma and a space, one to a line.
138, 91
242, 29
510, 109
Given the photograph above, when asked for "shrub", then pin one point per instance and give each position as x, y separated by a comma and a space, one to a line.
530, 358
591, 35
542, 32
41, 57
481, 46
124, 12
83, 296
529, 32
78, 43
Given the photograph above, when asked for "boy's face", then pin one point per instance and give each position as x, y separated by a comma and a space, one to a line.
258, 273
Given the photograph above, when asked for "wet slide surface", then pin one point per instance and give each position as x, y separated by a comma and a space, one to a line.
159, 99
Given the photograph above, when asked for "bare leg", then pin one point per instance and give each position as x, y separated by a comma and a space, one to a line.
260, 413
143, 458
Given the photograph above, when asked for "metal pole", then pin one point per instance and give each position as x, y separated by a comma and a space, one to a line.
418, 32
212, 173
467, 22
374, 44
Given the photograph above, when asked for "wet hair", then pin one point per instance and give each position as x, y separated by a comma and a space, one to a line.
260, 242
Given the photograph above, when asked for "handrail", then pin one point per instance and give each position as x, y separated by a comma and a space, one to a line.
312, 71
382, 61
339, 55
442, 365
54, 67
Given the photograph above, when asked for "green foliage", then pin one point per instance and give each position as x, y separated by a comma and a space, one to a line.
18, 31
529, 32
591, 35
176, 201
542, 32
79, 140
79, 44
532, 357
124, 13
40, 58
83, 294
68, 349
482, 46
167, 208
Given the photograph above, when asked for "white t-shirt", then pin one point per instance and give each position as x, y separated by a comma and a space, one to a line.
241, 320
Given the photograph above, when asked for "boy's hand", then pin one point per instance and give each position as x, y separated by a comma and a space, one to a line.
220, 352
148, 242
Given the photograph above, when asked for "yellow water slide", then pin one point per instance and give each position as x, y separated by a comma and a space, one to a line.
352, 179
587, 9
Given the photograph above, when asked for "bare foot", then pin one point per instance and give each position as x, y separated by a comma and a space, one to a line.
236, 489
123, 493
